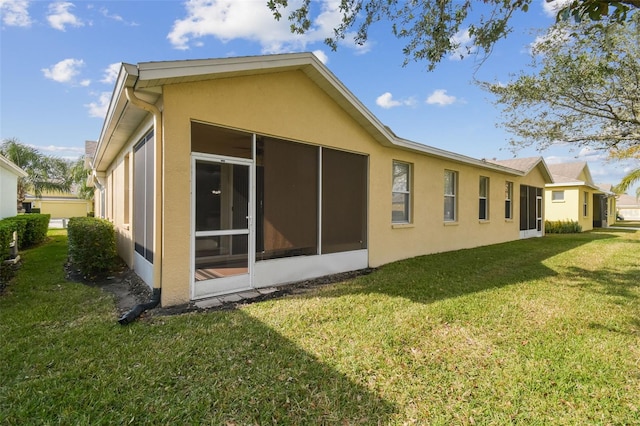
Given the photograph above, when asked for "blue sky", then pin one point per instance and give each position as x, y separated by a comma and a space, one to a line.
58, 63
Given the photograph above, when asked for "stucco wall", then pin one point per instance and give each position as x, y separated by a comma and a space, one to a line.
288, 105
59, 209
118, 183
572, 206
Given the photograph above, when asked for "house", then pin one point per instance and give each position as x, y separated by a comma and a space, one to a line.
60, 205
574, 196
628, 207
9, 175
222, 175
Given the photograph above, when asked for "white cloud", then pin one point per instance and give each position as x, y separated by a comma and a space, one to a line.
64, 71
15, 13
554, 36
99, 108
111, 73
232, 19
54, 148
590, 154
386, 101
551, 8
105, 12
60, 16
321, 56
440, 97
464, 45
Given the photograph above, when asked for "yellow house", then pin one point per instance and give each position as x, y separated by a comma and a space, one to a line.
574, 196
60, 205
223, 175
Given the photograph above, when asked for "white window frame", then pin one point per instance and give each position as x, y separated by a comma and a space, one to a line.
453, 195
557, 196
585, 204
405, 192
484, 197
508, 200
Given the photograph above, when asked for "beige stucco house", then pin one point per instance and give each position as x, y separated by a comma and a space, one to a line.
223, 175
574, 196
60, 205
628, 207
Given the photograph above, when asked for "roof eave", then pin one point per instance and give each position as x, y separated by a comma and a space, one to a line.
127, 77
14, 168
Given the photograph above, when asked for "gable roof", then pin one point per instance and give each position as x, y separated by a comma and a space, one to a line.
147, 79
572, 174
526, 165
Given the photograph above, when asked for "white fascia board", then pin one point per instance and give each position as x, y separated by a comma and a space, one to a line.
126, 78
574, 184
10, 166
458, 158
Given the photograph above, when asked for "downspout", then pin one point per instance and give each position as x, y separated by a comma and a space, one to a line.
137, 310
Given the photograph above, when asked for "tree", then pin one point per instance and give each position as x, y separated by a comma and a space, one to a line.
627, 181
584, 90
430, 26
43, 173
79, 174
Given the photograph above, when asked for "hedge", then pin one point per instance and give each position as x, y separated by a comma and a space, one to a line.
92, 245
6, 235
562, 227
31, 228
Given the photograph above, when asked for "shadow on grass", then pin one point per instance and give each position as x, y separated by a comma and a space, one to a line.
426, 279
222, 368
64, 364
610, 282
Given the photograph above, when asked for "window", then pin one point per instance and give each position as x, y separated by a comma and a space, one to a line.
450, 190
126, 188
143, 196
401, 195
557, 195
585, 205
483, 210
508, 197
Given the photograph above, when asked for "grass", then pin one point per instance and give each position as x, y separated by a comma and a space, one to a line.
628, 223
539, 331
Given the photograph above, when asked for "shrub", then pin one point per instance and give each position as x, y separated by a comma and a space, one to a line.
92, 245
562, 227
31, 228
6, 235
35, 210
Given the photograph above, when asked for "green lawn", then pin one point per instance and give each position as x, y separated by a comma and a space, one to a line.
541, 331
628, 223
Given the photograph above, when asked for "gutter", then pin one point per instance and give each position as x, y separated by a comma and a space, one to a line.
157, 207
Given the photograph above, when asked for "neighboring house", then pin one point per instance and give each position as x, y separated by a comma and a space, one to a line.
9, 174
60, 205
574, 196
223, 175
628, 207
